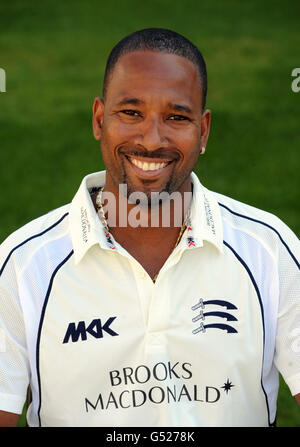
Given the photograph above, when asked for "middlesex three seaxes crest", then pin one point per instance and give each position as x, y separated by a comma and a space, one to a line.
201, 316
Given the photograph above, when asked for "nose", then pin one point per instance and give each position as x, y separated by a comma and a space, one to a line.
152, 134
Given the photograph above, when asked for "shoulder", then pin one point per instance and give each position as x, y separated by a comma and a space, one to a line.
236, 210
262, 226
32, 235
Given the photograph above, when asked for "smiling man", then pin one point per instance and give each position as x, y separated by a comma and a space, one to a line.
113, 320
152, 128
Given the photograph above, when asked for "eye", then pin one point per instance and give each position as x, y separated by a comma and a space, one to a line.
179, 118
130, 112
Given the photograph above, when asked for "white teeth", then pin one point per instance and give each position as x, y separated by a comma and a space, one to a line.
145, 166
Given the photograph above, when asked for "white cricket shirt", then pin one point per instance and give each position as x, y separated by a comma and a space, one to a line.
102, 345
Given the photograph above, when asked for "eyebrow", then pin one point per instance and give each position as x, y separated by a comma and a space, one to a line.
132, 101
180, 108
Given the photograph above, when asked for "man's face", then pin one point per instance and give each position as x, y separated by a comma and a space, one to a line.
150, 125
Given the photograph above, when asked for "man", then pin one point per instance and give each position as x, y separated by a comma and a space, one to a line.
117, 324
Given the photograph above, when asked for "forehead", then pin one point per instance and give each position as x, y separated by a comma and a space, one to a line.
150, 73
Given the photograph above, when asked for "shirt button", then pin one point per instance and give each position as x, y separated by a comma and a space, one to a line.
155, 338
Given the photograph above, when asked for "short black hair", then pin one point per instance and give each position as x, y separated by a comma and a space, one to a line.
161, 40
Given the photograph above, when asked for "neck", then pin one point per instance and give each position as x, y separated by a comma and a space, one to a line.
150, 244
165, 214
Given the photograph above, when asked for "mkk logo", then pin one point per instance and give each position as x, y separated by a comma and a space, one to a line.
96, 329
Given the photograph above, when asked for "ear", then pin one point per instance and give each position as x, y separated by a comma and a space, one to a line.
98, 113
205, 127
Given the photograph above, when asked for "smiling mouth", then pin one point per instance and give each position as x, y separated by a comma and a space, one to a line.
147, 166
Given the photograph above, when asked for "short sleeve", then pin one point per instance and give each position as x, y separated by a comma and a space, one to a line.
287, 354
14, 365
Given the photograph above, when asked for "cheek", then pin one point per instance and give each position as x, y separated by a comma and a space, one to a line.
115, 129
190, 145
109, 140
114, 135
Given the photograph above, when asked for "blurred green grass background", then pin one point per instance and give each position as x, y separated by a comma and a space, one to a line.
54, 54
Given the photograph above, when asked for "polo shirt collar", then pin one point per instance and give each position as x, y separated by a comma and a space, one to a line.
86, 229
85, 226
205, 216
